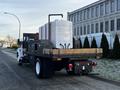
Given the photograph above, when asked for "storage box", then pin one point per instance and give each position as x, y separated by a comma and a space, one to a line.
61, 33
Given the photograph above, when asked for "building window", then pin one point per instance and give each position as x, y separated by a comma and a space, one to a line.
118, 4
101, 27
69, 17
88, 13
106, 26
96, 27
92, 12
112, 25
74, 31
101, 9
106, 7
81, 30
74, 18
78, 31
88, 29
118, 24
80, 16
97, 11
46, 32
112, 5
85, 14
92, 28
84, 30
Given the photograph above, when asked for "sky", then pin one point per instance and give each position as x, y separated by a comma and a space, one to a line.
33, 14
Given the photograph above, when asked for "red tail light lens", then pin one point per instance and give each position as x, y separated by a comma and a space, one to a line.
70, 66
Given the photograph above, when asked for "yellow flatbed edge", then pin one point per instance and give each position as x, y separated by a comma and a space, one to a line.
94, 51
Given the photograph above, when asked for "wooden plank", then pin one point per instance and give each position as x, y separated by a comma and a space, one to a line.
94, 51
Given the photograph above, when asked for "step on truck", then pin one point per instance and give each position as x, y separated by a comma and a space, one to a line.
48, 54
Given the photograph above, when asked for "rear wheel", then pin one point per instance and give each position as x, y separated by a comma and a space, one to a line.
47, 68
38, 68
43, 68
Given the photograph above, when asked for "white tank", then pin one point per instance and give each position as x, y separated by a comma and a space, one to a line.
61, 33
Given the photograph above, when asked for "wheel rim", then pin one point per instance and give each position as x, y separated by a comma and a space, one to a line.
37, 68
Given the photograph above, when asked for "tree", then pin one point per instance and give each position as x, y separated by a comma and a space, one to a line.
73, 42
10, 40
93, 43
1, 43
80, 43
104, 45
77, 43
86, 43
116, 48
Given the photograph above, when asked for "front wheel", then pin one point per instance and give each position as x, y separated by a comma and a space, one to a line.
20, 62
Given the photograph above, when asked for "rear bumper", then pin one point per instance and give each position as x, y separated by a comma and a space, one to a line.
81, 67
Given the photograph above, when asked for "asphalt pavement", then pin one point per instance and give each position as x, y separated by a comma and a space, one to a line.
14, 77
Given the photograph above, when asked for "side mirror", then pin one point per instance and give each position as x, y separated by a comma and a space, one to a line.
18, 41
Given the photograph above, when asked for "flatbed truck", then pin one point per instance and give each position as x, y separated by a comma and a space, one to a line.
46, 59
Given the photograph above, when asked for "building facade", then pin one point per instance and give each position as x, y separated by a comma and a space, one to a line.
102, 16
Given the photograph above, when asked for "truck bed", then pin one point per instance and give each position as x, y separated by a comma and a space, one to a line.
83, 53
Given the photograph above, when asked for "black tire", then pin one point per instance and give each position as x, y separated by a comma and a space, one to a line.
43, 68
47, 68
38, 68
